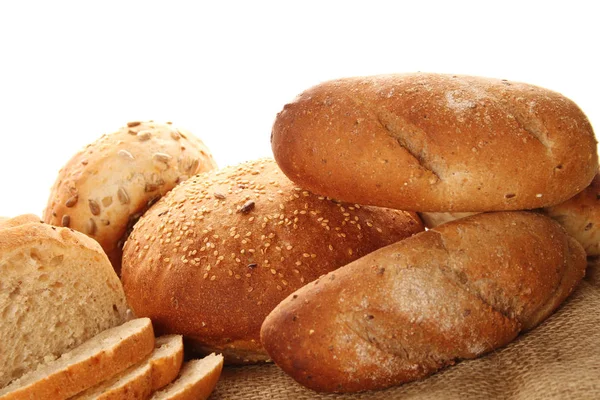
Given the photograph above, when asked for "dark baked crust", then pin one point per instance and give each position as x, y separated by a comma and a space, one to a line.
404, 311
432, 142
212, 258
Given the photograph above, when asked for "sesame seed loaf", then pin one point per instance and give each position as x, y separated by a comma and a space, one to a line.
100, 358
580, 216
104, 188
197, 380
214, 256
434, 142
57, 289
409, 309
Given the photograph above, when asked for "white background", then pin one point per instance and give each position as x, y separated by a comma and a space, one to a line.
72, 71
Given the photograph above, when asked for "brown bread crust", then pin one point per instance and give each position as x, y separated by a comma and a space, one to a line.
433, 142
106, 187
405, 311
580, 216
212, 258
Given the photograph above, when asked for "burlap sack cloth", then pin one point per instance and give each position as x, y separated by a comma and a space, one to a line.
560, 359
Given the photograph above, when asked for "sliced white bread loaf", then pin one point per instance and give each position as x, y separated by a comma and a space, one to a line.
139, 381
196, 380
57, 290
107, 354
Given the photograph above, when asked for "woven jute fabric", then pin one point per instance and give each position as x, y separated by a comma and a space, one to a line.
560, 359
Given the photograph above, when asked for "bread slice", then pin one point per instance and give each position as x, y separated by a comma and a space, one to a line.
196, 381
98, 359
139, 381
57, 290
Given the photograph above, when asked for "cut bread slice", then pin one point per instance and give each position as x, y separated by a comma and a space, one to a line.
196, 380
166, 360
139, 381
57, 290
96, 360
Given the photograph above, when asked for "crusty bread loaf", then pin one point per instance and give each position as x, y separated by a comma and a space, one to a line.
18, 220
404, 311
57, 289
139, 381
432, 142
104, 188
580, 216
96, 360
212, 258
197, 380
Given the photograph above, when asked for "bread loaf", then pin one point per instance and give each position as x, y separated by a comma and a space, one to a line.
57, 290
405, 311
196, 381
104, 188
100, 358
18, 220
212, 258
580, 216
432, 142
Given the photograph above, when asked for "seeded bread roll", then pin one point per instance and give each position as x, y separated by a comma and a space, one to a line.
432, 142
212, 258
57, 289
104, 189
405, 311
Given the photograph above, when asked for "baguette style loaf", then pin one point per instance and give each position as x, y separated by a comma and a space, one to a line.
580, 216
212, 258
405, 311
106, 187
433, 142
57, 290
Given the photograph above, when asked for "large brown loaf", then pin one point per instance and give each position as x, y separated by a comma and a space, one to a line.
432, 142
106, 187
403, 312
212, 258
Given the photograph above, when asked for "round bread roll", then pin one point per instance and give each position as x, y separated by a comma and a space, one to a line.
57, 290
409, 309
212, 258
580, 216
106, 187
432, 142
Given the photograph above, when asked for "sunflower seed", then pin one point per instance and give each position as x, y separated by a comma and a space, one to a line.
133, 123
175, 135
144, 135
162, 157
126, 154
247, 207
94, 207
72, 201
107, 201
66, 221
90, 227
123, 196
